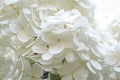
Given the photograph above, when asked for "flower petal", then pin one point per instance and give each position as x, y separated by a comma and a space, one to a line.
37, 70
117, 69
45, 62
117, 48
69, 56
47, 56
80, 74
96, 65
14, 27
90, 67
56, 48
29, 31
84, 56
68, 77
27, 70
23, 37
39, 47
76, 12
48, 37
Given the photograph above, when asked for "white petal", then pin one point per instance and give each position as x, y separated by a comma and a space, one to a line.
59, 55
14, 27
68, 77
80, 74
76, 40
27, 68
117, 69
22, 21
84, 5
81, 22
76, 12
47, 56
101, 49
95, 52
37, 70
45, 62
39, 47
96, 65
117, 48
29, 31
111, 59
26, 10
70, 19
25, 77
60, 12
56, 48
36, 30
90, 67
57, 66
84, 56
68, 67
70, 57
4, 21
11, 1
23, 37
6, 31
47, 68
48, 37
66, 14
100, 76
69, 43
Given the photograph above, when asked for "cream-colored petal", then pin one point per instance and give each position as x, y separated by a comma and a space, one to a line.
48, 37
80, 74
29, 31
37, 70
39, 47
26, 70
67, 77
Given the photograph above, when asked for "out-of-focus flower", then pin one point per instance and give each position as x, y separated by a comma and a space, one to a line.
22, 28
115, 29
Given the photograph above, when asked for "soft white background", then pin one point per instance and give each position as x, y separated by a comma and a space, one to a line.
106, 11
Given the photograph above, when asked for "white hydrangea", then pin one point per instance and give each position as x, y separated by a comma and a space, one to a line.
56, 36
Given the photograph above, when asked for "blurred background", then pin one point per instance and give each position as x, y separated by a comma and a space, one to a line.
106, 11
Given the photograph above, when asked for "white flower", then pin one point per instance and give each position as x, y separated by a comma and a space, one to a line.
64, 21
56, 36
27, 72
115, 57
53, 44
72, 71
22, 28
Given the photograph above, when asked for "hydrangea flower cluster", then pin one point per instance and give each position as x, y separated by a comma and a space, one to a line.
40, 39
